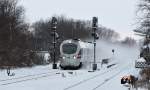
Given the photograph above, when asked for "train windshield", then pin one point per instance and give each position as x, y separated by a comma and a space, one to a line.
69, 48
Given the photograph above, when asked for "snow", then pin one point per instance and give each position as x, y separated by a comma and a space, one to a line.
46, 78
141, 60
145, 46
85, 44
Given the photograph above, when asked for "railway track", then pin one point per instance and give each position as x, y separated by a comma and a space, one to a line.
88, 80
2, 80
108, 79
27, 78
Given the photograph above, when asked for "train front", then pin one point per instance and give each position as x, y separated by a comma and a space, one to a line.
70, 54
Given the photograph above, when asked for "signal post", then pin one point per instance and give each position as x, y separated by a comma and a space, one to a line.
54, 34
95, 37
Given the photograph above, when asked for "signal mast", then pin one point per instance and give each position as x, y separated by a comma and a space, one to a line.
95, 37
55, 37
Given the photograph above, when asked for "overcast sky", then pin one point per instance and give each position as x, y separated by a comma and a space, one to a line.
115, 14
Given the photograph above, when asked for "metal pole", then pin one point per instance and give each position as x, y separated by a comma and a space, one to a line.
54, 22
94, 27
54, 65
94, 51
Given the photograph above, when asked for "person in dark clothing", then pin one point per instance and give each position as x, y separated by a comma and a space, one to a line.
113, 51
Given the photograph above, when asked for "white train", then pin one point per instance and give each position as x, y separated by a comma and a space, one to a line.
73, 53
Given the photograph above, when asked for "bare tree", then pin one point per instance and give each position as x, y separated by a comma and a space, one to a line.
14, 35
108, 34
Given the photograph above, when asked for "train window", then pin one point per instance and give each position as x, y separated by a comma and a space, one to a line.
69, 48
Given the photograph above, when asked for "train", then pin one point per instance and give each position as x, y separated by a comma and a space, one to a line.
73, 53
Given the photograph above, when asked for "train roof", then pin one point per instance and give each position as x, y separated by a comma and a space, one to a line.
81, 43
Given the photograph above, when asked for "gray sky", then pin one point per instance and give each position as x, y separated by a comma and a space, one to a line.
115, 14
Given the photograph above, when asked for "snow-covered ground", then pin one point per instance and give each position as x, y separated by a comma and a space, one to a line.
45, 78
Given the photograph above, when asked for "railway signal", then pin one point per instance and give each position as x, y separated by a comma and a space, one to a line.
95, 37
95, 22
55, 37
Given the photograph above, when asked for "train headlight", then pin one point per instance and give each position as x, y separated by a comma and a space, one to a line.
63, 57
74, 57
